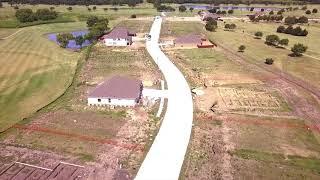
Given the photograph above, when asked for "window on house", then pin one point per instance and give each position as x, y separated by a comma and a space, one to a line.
99, 100
109, 100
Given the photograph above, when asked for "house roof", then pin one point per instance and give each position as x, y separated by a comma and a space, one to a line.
118, 32
118, 87
189, 39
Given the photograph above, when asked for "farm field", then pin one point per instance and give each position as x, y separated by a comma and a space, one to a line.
78, 13
243, 120
34, 71
257, 51
94, 136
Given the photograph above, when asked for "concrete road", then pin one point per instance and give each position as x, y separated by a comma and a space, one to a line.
165, 157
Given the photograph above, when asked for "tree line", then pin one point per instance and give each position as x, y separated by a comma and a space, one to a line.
27, 15
218, 2
265, 18
75, 2
294, 20
297, 31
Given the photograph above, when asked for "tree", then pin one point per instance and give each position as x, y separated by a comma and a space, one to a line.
64, 38
211, 25
69, 8
314, 10
252, 8
289, 30
230, 11
302, 19
46, 14
191, 9
51, 8
241, 48
298, 49
272, 39
269, 61
308, 12
105, 9
79, 40
156, 3
290, 20
258, 34
304, 8
133, 16
284, 42
98, 28
281, 29
182, 8
94, 8
132, 3
89, 9
25, 15
271, 13
92, 20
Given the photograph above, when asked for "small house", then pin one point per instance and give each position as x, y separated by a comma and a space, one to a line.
119, 36
117, 91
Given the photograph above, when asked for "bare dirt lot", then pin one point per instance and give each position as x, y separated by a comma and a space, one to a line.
249, 123
109, 143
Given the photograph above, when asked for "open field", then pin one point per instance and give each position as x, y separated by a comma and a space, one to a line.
257, 51
34, 71
78, 13
98, 137
246, 123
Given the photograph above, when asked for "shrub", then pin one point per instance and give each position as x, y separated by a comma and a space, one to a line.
281, 29
105, 9
46, 14
230, 11
251, 9
308, 12
214, 10
241, 48
64, 38
302, 19
298, 49
182, 8
314, 10
191, 9
211, 25
304, 8
94, 8
284, 42
25, 15
89, 9
272, 39
258, 34
16, 7
269, 61
52, 8
290, 20
133, 16
165, 8
69, 8
271, 13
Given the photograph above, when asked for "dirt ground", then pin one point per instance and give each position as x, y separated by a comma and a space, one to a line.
246, 119
109, 143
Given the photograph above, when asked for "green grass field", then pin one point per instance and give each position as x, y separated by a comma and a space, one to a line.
78, 13
34, 71
257, 51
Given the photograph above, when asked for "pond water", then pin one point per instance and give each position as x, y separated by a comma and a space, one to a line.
72, 43
241, 8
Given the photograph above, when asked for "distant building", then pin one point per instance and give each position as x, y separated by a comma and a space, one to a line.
117, 91
192, 40
119, 36
205, 16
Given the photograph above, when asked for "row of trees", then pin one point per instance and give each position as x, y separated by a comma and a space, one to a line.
266, 18
217, 11
27, 15
165, 8
297, 31
77, 2
294, 20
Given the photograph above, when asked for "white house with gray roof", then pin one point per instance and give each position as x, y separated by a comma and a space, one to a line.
119, 36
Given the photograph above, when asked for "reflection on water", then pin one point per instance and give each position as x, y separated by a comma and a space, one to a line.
241, 8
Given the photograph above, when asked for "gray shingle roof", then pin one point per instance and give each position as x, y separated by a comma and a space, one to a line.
118, 87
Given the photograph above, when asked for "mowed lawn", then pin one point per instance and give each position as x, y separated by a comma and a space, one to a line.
34, 71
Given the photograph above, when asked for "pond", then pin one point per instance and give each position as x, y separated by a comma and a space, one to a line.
72, 43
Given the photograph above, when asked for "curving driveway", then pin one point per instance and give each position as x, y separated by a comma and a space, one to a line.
165, 157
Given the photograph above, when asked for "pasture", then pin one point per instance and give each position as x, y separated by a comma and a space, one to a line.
34, 71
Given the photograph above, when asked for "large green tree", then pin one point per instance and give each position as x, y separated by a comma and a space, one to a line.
272, 39
298, 49
64, 38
